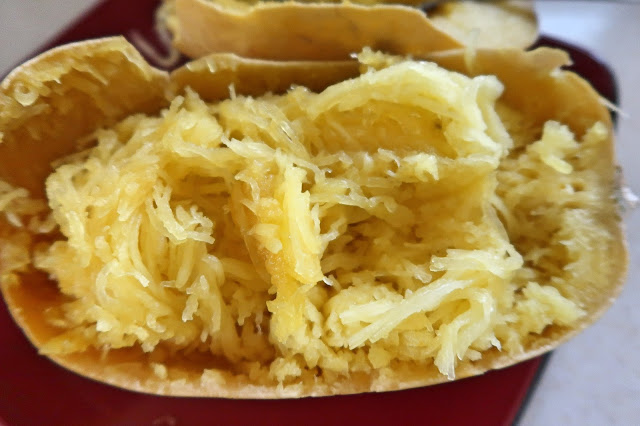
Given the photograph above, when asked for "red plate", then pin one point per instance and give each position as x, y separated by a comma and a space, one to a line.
33, 390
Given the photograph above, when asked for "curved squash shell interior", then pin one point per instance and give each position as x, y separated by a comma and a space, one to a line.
334, 31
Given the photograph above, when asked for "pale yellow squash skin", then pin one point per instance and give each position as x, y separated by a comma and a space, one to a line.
36, 129
333, 31
491, 25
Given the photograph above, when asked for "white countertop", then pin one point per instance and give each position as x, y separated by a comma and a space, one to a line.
595, 378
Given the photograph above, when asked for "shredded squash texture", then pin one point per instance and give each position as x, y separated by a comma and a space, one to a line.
395, 217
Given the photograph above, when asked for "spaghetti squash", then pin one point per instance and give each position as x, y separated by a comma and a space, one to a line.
406, 226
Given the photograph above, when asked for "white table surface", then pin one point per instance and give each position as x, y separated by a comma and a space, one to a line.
593, 379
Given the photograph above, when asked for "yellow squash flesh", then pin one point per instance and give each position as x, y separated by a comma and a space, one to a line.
505, 209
